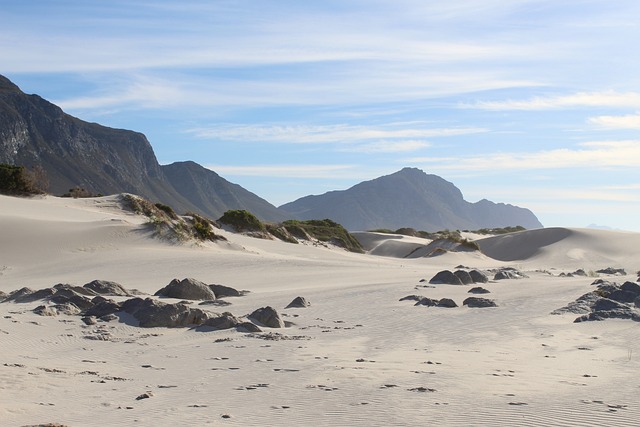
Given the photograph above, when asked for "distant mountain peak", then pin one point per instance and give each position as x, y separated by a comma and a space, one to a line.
8, 85
408, 198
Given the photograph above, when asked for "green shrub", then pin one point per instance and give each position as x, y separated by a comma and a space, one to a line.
325, 230
17, 180
242, 220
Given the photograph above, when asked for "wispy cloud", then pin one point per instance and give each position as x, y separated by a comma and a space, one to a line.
595, 155
340, 133
288, 171
577, 100
630, 121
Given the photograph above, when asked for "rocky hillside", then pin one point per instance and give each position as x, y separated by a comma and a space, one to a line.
75, 153
408, 198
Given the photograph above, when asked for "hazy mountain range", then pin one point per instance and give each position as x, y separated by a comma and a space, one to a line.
75, 153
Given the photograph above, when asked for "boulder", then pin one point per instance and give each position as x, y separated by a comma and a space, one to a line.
25, 295
623, 296
509, 274
478, 276
268, 317
151, 313
637, 302
65, 289
609, 314
580, 272
445, 277
225, 291
478, 290
64, 297
248, 327
476, 302
43, 310
3, 296
224, 321
464, 277
190, 289
447, 303
429, 302
105, 287
411, 298
631, 287
612, 271
103, 308
299, 302
606, 304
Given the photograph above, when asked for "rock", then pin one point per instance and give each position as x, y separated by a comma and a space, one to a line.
606, 304
445, 277
103, 308
109, 317
476, 302
67, 308
225, 291
43, 310
145, 395
609, 314
478, 290
224, 321
65, 289
298, 302
637, 302
631, 287
248, 327
64, 297
411, 298
105, 287
580, 272
447, 303
612, 271
89, 320
509, 274
478, 276
25, 295
623, 296
268, 317
464, 277
151, 313
3, 296
429, 302
190, 289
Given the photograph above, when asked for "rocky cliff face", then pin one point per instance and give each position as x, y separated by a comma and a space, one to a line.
408, 198
35, 132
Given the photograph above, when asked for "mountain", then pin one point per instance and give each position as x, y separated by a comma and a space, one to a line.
35, 132
408, 198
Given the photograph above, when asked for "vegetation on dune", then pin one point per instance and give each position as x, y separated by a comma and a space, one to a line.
19, 181
500, 230
242, 221
324, 230
166, 224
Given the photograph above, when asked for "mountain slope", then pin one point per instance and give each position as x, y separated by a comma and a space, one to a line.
408, 198
35, 132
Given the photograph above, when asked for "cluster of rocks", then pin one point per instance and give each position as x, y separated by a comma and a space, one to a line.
579, 272
608, 301
459, 277
508, 273
474, 302
90, 301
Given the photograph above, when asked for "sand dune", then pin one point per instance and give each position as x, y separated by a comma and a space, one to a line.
356, 356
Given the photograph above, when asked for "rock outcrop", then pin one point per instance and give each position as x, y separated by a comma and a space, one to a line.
189, 289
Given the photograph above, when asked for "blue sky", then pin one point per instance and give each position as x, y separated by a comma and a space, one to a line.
533, 103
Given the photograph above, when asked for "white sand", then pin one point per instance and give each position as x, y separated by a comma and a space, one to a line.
511, 365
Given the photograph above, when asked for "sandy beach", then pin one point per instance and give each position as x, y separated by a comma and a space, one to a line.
356, 356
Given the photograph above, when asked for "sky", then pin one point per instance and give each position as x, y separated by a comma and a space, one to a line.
535, 103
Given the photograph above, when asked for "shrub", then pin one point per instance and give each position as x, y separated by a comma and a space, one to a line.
17, 180
324, 230
242, 220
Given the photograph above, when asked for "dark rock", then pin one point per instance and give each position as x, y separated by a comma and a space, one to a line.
224, 321
190, 289
580, 272
612, 271
105, 287
609, 314
476, 302
464, 277
298, 302
606, 304
446, 277
268, 317
447, 303
478, 290
65, 289
25, 295
3, 296
146, 395
109, 317
631, 287
225, 291
43, 310
623, 296
89, 320
509, 274
478, 276
411, 298
217, 303
151, 313
248, 327
63, 297
429, 302
103, 308
637, 302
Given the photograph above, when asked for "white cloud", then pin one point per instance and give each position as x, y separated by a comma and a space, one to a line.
577, 100
630, 121
595, 155
340, 133
287, 171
